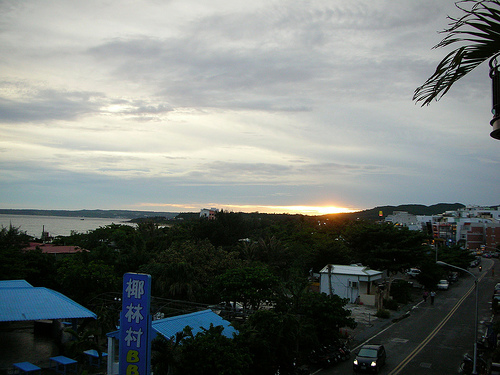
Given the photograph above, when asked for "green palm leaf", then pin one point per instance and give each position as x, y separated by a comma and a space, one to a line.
478, 32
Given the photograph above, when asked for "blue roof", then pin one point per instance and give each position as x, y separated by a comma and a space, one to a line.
14, 284
168, 327
30, 303
202, 319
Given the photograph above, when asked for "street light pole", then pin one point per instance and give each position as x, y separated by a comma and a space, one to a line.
474, 370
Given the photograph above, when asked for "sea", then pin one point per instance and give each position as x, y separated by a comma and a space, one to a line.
33, 225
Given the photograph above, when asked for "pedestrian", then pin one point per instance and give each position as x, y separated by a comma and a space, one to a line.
425, 295
433, 294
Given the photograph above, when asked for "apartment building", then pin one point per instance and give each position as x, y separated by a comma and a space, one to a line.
474, 226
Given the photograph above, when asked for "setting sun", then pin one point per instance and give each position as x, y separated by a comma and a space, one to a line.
304, 210
317, 210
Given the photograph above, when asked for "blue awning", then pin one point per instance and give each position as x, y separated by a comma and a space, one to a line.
19, 303
14, 284
198, 321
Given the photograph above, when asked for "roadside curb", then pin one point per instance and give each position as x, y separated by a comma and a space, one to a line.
366, 332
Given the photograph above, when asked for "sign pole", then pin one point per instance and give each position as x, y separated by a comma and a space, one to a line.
135, 325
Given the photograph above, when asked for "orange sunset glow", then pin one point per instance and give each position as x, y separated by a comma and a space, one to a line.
303, 210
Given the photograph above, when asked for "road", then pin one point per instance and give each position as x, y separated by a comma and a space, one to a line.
434, 338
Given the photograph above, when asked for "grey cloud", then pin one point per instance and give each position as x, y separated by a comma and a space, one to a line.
193, 73
47, 105
34, 105
235, 173
341, 168
277, 59
139, 107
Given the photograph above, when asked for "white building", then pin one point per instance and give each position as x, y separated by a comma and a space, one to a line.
470, 226
352, 282
208, 213
405, 219
493, 214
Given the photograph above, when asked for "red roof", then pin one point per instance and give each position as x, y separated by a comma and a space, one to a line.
48, 248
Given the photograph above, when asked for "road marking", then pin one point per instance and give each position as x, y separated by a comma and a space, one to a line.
400, 341
419, 348
422, 345
385, 329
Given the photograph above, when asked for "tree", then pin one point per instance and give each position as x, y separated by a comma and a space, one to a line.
41, 269
82, 281
274, 340
12, 265
478, 34
209, 352
456, 256
250, 286
431, 274
166, 352
277, 338
173, 280
385, 247
82, 339
327, 315
188, 269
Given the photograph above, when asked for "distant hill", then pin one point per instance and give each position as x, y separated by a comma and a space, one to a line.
108, 214
415, 209
369, 214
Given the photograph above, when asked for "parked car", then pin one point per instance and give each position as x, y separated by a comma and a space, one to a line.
476, 262
497, 286
370, 358
495, 302
443, 285
453, 277
413, 272
495, 368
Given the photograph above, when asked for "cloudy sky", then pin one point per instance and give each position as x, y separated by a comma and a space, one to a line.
270, 106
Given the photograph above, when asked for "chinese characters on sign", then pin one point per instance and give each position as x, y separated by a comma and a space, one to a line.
135, 324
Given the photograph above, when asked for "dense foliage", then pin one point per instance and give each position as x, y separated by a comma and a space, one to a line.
254, 259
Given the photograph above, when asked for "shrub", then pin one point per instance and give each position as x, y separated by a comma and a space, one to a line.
383, 313
401, 291
391, 304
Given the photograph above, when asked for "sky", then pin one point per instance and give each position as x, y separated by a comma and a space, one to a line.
269, 106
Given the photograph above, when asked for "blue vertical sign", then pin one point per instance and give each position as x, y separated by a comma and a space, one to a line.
135, 325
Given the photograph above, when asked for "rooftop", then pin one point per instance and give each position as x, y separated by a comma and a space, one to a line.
48, 248
350, 270
18, 303
198, 321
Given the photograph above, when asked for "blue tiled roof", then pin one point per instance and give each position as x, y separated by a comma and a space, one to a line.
14, 284
202, 319
168, 327
30, 303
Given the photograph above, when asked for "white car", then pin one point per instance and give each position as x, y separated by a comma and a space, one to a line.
443, 285
413, 272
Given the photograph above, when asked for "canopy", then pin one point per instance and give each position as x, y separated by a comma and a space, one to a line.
20, 301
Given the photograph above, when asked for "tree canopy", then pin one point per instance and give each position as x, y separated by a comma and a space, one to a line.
240, 258
477, 36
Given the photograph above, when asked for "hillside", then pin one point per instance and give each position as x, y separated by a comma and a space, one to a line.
369, 214
416, 209
119, 214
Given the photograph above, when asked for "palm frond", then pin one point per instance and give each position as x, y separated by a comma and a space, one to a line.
478, 32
